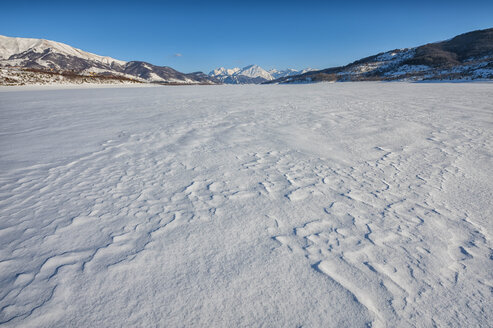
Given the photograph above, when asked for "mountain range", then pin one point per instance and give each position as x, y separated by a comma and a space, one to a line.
27, 61
39, 61
468, 56
252, 74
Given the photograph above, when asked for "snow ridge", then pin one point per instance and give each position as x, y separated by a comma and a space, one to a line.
165, 206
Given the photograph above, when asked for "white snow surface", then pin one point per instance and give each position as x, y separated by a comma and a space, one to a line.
321, 205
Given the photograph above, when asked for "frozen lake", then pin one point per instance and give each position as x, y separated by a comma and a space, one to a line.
326, 205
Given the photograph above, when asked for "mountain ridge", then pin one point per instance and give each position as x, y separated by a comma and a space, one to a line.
21, 59
468, 56
251, 74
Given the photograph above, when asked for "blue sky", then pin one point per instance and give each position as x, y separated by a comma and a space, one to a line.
202, 35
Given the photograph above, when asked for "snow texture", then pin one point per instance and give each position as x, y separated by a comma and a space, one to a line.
327, 205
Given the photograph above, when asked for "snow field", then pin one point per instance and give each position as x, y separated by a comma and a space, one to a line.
351, 204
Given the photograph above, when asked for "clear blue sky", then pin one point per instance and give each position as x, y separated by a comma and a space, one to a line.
272, 34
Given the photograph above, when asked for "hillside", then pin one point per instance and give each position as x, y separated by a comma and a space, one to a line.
39, 61
467, 56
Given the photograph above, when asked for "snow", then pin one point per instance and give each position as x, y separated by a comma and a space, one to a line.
384, 61
154, 77
405, 69
334, 205
306, 70
96, 70
484, 72
17, 76
399, 56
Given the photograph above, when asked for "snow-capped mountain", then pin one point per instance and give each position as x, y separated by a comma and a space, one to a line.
23, 59
251, 74
255, 71
246, 75
468, 56
19, 47
224, 71
288, 72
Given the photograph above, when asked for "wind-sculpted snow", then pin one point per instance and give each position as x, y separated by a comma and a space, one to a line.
328, 205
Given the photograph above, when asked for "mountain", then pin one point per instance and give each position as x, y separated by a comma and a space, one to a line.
288, 72
467, 56
163, 74
250, 74
246, 75
254, 71
27, 61
224, 71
